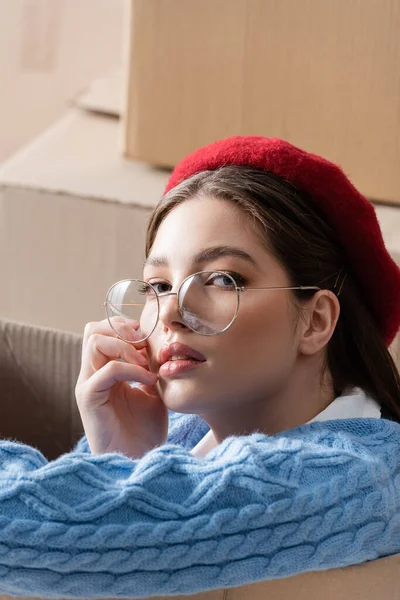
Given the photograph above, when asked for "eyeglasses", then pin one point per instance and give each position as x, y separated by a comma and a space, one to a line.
208, 303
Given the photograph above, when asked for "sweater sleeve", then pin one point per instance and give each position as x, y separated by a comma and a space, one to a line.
257, 507
185, 430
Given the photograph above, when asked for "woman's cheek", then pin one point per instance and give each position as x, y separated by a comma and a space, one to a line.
262, 333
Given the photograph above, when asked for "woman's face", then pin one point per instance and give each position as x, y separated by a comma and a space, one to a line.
254, 357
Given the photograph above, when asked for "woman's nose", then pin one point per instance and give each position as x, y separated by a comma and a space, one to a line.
169, 314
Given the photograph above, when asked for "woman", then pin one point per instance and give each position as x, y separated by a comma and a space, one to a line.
264, 415
289, 353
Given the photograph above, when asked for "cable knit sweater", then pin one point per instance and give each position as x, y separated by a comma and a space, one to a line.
322, 495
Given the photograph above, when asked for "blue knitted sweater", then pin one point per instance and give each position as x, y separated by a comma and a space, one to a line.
318, 496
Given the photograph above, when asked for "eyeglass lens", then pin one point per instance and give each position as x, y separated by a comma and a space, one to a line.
207, 302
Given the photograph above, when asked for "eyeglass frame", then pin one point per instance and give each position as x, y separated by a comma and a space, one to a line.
239, 289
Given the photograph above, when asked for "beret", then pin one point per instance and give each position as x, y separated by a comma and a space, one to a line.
350, 214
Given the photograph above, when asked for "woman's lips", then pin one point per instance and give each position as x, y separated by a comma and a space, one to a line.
176, 367
176, 358
178, 350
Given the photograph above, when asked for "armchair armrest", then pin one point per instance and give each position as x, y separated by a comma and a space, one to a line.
39, 368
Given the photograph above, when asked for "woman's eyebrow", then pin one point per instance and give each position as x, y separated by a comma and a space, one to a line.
206, 255
155, 261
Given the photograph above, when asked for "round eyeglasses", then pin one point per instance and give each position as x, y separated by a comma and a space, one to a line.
208, 303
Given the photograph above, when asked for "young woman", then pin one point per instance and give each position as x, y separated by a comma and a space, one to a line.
240, 405
307, 342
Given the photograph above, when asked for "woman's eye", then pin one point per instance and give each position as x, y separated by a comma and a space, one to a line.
224, 280
161, 287
143, 288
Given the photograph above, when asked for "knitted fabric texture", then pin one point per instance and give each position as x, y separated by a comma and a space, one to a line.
347, 211
257, 507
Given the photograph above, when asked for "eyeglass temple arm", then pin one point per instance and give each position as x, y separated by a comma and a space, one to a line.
116, 309
301, 287
136, 304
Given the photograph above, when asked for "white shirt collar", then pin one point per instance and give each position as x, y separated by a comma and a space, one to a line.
349, 405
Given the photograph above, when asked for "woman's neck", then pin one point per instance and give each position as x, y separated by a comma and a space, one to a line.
296, 403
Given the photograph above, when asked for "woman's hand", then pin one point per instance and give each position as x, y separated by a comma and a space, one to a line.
115, 416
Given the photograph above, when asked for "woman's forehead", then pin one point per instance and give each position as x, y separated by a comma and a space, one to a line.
200, 225
200, 220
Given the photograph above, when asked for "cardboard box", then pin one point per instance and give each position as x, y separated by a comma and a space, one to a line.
49, 51
103, 96
39, 368
73, 216
323, 75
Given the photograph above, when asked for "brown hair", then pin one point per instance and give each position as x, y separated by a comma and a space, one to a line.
308, 249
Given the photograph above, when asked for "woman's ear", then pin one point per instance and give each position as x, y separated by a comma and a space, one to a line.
321, 316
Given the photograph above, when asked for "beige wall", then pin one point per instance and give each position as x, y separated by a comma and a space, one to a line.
49, 51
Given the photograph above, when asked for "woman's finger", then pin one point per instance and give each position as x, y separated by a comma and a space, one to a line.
125, 327
113, 372
103, 327
100, 349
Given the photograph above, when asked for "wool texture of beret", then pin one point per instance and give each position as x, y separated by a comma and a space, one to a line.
350, 214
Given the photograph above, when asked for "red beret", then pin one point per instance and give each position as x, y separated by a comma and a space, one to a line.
347, 211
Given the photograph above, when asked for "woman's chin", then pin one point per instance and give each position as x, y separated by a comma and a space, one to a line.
183, 395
